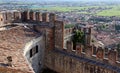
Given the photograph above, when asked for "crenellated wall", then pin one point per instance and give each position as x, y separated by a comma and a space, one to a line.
26, 16
58, 46
77, 61
38, 16
68, 31
59, 34
9, 17
99, 56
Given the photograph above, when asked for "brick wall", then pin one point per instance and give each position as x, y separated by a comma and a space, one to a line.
67, 63
59, 34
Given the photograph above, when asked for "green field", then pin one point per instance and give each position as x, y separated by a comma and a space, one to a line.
83, 12
66, 9
115, 11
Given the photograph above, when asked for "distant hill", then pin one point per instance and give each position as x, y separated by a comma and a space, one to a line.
38, 1
21, 1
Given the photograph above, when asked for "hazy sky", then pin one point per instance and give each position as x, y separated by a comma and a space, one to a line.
54, 0
59, 0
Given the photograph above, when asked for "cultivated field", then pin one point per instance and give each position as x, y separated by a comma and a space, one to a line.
112, 11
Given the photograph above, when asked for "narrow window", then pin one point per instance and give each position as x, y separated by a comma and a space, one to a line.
30, 52
1, 19
36, 49
33, 51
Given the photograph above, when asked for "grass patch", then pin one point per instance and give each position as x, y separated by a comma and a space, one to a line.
83, 13
65, 9
115, 11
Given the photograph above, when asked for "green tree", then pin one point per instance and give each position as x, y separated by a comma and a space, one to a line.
118, 48
78, 37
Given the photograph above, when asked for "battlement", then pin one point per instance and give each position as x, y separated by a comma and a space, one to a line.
98, 54
25, 16
68, 31
31, 16
59, 37
9, 17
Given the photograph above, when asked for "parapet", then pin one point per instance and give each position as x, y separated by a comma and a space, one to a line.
113, 56
32, 16
9, 17
26, 16
52, 17
59, 34
59, 22
68, 31
69, 46
89, 51
79, 49
38, 16
98, 55
45, 17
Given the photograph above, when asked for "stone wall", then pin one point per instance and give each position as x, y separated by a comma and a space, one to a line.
16, 17
1, 20
68, 31
60, 55
45, 17
59, 34
64, 62
49, 35
79, 61
68, 34
26, 16
37, 60
9, 17
38, 16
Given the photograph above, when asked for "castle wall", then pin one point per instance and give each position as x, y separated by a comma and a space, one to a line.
45, 17
87, 32
38, 16
68, 34
63, 62
17, 17
1, 19
6, 18
52, 18
49, 35
59, 34
10, 17
36, 61
60, 55
32, 15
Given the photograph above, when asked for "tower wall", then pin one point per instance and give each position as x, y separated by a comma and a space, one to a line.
52, 18
45, 17
59, 34
87, 32
1, 19
38, 16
